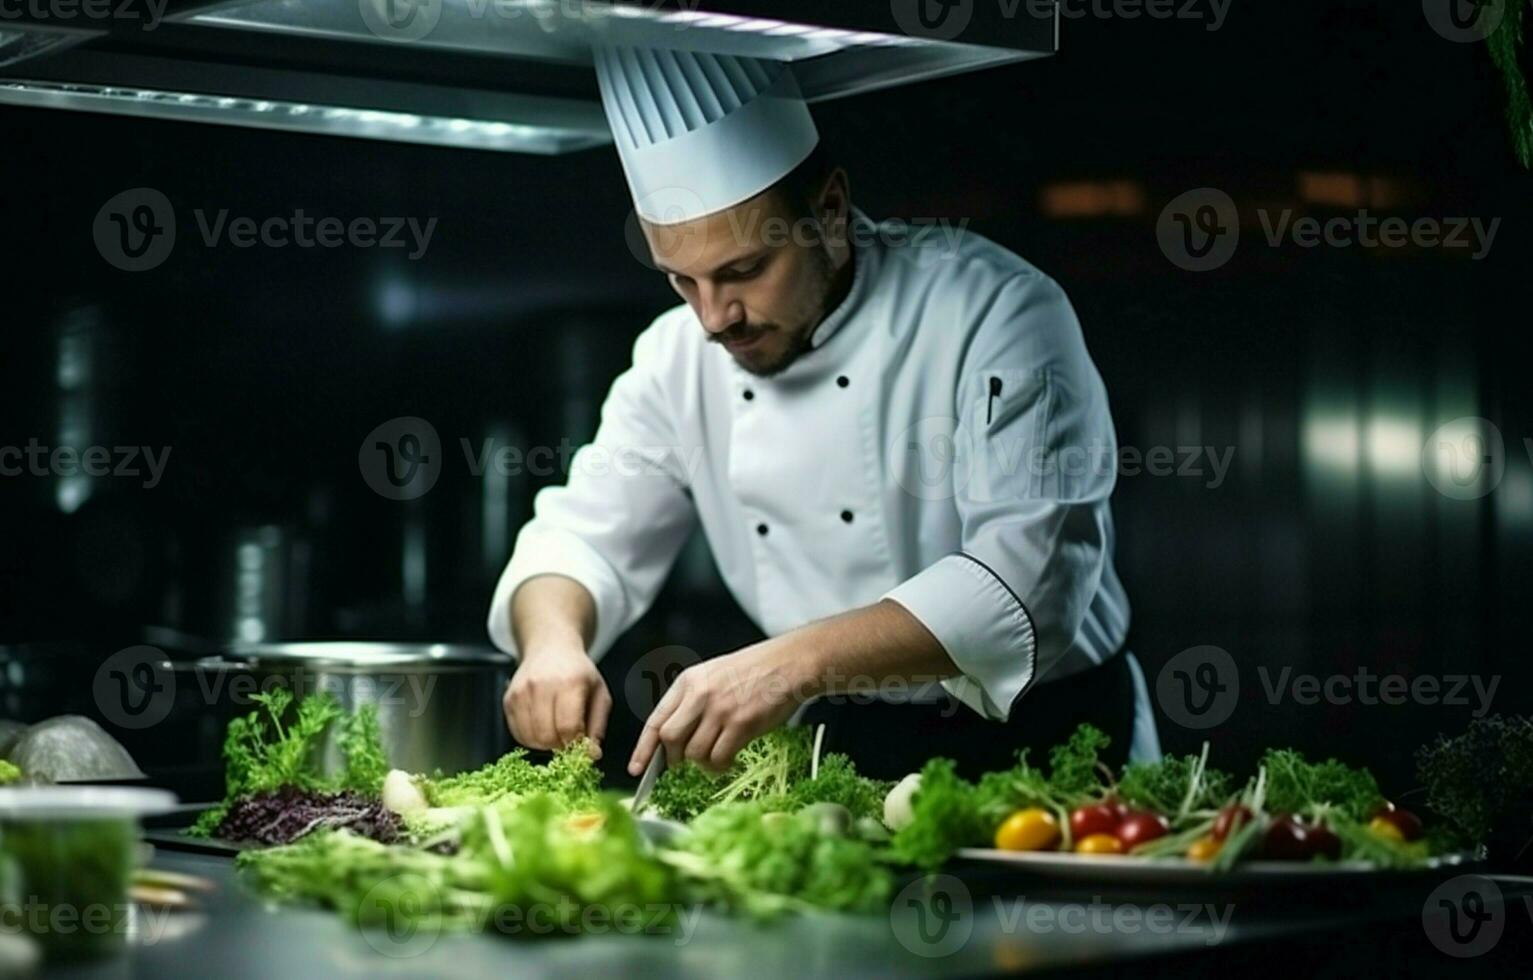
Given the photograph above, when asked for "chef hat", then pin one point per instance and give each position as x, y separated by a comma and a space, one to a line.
699, 133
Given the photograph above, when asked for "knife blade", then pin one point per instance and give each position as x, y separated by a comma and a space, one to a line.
647, 781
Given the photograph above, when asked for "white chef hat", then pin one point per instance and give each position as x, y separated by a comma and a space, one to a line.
699, 133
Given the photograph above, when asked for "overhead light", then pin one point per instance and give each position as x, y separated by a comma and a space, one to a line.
482, 134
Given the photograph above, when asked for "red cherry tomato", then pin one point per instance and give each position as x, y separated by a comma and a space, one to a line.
1405, 821
1141, 827
1322, 840
1286, 840
1099, 818
1229, 820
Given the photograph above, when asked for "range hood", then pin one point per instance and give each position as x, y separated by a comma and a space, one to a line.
510, 75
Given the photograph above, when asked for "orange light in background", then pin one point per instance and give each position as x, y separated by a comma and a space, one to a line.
1346, 190
1092, 199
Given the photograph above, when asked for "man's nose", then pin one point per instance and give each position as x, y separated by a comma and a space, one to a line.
717, 310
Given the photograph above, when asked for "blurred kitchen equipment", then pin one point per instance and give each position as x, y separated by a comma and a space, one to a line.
439, 705
72, 748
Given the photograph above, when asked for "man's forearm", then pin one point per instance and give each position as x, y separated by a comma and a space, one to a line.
552, 612
873, 645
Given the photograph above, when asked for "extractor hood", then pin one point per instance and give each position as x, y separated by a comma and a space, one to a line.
511, 75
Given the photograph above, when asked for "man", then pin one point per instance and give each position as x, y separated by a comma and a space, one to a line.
871, 432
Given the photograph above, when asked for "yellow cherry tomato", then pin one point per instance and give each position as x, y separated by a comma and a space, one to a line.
1204, 849
1386, 829
1032, 829
1099, 844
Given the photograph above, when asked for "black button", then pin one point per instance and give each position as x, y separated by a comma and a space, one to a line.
749, 394
761, 529
846, 516
843, 381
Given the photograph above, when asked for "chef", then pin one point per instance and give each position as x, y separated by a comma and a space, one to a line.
898, 449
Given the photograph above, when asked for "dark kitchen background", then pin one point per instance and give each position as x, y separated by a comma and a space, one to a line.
1325, 549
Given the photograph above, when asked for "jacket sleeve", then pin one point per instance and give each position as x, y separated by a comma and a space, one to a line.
1035, 461
618, 523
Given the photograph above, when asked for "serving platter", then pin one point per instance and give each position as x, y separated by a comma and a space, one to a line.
1181, 871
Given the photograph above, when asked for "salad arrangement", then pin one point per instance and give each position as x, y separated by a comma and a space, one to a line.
783, 831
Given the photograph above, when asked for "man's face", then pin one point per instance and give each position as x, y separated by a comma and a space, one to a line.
758, 276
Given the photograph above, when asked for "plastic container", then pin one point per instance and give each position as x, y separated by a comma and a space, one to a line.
67, 856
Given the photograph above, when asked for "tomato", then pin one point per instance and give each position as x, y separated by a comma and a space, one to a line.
1229, 820
1032, 829
1386, 828
1287, 840
1141, 827
1291, 839
1100, 818
1099, 844
1204, 849
1406, 822
1322, 840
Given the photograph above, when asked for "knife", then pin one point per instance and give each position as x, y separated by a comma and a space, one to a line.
647, 781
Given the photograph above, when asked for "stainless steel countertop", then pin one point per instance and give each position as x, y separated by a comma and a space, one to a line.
235, 936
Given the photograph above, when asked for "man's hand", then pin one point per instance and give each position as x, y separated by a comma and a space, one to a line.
556, 696
715, 707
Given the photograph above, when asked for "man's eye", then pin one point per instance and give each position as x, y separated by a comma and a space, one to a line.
745, 272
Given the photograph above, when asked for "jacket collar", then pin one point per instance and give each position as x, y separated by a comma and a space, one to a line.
865, 263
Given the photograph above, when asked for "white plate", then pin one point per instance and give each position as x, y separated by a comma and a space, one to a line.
73, 802
1174, 870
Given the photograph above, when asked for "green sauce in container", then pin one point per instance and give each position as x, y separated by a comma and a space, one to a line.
67, 856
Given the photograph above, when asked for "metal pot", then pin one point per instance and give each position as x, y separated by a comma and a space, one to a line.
439, 705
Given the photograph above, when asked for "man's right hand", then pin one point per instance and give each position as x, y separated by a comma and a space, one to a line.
556, 696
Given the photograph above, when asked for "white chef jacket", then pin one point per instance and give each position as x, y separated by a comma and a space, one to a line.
945, 443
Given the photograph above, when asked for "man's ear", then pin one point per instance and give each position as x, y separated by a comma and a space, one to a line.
834, 207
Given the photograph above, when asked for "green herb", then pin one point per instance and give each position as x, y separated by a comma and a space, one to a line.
571, 776
9, 773
1294, 785
1176, 786
362, 746
683, 791
1481, 782
263, 753
1075, 767
947, 816
523, 866
769, 767
837, 781
766, 863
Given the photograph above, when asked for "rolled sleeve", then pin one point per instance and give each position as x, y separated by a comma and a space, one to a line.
618, 523
555, 551
982, 625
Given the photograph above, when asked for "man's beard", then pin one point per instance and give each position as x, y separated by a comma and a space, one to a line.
823, 275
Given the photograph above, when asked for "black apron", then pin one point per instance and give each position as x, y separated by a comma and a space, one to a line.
887, 740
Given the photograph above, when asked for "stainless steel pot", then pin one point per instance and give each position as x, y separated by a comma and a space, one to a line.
439, 705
